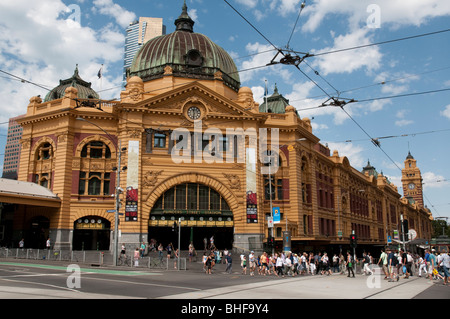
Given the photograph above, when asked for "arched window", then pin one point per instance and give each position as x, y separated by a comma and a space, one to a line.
94, 178
44, 157
96, 149
191, 196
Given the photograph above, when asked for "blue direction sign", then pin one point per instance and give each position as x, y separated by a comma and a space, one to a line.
389, 239
276, 215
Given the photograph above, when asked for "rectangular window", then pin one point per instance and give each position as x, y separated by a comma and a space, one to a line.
192, 196
280, 189
106, 183
82, 183
181, 196
169, 199
215, 200
224, 204
159, 140
203, 197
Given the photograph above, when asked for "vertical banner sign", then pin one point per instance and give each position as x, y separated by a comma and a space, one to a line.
276, 215
252, 201
132, 196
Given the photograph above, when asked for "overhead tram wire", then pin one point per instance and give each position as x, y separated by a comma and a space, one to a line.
377, 43
395, 136
376, 84
381, 98
296, 61
25, 81
287, 58
302, 6
259, 32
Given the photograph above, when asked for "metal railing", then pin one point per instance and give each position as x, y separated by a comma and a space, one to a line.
97, 258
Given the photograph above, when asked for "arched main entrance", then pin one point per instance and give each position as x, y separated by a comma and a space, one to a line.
203, 213
91, 233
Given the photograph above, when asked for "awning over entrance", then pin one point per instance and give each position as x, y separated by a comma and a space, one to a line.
27, 193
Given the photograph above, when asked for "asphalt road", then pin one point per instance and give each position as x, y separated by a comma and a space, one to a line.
21, 279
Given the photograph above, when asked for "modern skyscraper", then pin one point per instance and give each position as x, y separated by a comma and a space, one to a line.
137, 33
12, 149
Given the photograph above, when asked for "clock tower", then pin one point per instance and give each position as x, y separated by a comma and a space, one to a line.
412, 180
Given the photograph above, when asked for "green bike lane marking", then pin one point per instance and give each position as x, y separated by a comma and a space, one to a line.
86, 270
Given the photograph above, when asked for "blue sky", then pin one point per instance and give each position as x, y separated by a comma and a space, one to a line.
42, 41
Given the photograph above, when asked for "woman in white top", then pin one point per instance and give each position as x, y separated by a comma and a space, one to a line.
422, 265
279, 266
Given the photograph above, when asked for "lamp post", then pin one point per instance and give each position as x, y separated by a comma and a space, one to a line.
270, 190
117, 191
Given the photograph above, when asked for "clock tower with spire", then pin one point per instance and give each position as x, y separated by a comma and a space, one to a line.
412, 180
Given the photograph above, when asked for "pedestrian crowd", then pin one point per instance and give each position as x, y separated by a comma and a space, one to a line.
434, 265
281, 264
394, 265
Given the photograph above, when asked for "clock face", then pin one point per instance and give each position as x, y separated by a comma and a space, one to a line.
411, 186
194, 113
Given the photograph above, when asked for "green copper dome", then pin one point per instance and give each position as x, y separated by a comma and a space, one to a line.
84, 88
188, 54
276, 103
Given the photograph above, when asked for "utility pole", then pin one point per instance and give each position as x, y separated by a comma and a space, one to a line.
179, 242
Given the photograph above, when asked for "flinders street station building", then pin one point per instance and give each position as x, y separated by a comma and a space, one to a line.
188, 147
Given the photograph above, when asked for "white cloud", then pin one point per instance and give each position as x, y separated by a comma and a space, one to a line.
46, 49
248, 3
257, 61
446, 112
348, 61
122, 16
433, 180
402, 121
393, 13
355, 154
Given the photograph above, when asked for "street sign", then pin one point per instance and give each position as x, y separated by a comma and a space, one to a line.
340, 234
396, 236
270, 222
412, 234
389, 239
111, 211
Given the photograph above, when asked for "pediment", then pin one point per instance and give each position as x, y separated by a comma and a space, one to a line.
179, 100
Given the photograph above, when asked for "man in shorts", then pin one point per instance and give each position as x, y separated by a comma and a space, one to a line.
384, 263
252, 262
392, 263
264, 263
445, 263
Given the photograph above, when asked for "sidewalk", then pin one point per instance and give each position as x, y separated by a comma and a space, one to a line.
239, 286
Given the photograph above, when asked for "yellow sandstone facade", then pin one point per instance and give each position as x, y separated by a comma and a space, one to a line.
207, 177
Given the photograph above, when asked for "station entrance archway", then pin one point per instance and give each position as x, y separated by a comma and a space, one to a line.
202, 211
91, 233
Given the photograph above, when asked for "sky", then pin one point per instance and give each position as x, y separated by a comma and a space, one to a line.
395, 91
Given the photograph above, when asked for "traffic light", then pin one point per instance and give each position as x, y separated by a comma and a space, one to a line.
405, 228
353, 241
271, 242
174, 226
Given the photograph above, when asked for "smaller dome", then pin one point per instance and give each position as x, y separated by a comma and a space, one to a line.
290, 108
135, 79
245, 89
84, 88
